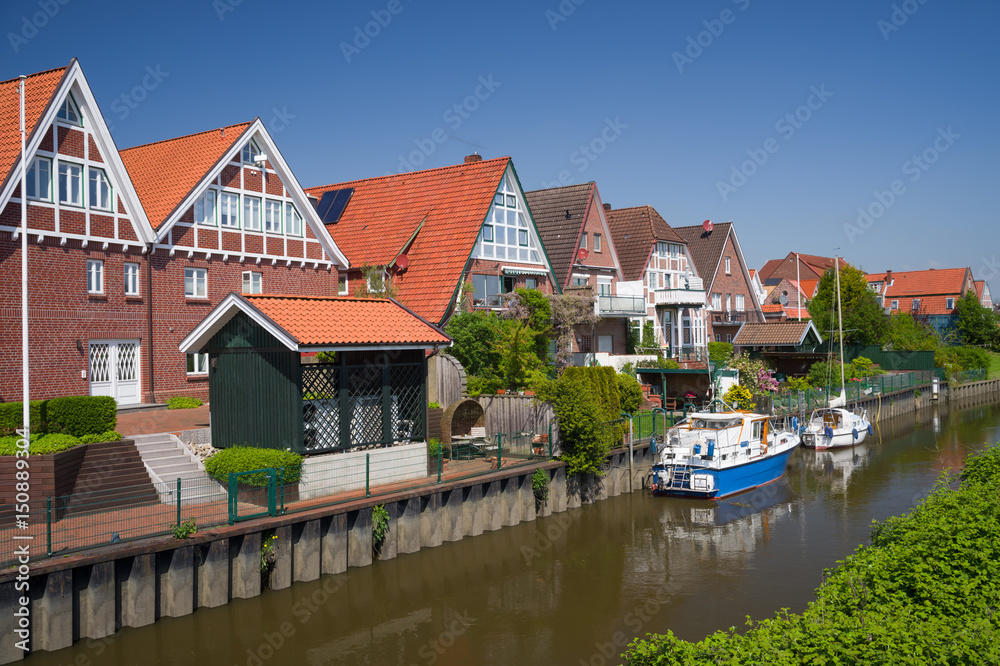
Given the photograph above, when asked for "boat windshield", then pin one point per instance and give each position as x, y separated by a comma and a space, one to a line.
715, 424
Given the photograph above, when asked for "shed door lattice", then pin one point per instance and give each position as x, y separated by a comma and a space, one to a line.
406, 383
365, 395
321, 407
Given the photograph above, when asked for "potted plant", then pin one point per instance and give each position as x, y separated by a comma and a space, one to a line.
501, 391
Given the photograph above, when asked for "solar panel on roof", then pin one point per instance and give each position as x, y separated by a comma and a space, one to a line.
333, 203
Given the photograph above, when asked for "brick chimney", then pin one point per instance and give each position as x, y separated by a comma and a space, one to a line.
888, 278
607, 208
473, 158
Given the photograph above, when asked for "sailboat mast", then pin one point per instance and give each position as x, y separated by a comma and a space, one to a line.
840, 325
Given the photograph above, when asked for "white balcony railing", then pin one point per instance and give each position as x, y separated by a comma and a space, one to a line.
680, 297
634, 306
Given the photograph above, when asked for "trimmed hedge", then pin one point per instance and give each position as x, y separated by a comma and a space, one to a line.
109, 436
249, 458
75, 415
40, 444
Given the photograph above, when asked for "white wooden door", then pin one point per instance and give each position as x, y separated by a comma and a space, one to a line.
114, 370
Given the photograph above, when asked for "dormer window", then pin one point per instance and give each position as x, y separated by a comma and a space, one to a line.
69, 112
250, 151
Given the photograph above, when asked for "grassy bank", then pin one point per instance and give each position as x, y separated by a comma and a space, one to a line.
994, 365
926, 591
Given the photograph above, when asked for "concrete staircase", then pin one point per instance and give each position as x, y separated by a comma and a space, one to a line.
166, 460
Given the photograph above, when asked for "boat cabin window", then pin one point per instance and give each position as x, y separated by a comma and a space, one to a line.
757, 428
713, 424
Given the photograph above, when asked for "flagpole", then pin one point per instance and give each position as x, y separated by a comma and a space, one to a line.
26, 407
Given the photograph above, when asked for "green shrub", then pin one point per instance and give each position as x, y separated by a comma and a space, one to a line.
380, 527
580, 429
719, 353
249, 458
659, 363
629, 393
185, 529
795, 384
540, 485
183, 402
433, 446
11, 416
80, 415
434, 405
41, 444
109, 436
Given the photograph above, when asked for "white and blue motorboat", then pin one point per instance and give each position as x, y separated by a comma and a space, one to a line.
712, 455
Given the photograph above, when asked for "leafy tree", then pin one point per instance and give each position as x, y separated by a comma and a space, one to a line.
631, 337
519, 364
534, 309
720, 353
577, 409
755, 376
864, 321
569, 311
907, 334
648, 337
477, 337
977, 325
824, 374
629, 393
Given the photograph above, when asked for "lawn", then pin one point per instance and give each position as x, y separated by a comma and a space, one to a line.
994, 365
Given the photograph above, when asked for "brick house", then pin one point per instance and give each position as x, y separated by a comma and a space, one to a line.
574, 230
733, 299
119, 271
931, 296
429, 233
659, 264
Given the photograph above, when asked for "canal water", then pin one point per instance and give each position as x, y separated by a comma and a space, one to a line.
573, 588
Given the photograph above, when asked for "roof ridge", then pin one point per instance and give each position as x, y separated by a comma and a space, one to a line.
186, 136
29, 76
589, 183
303, 297
410, 173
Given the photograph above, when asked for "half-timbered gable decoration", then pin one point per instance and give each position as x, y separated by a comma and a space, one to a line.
430, 232
228, 194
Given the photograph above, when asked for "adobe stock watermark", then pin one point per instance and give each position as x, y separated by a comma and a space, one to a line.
565, 9
786, 127
32, 22
915, 168
280, 119
453, 117
363, 35
901, 13
588, 152
696, 44
124, 104
635, 620
223, 7
455, 627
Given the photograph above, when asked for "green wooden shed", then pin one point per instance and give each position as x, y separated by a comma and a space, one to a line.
315, 374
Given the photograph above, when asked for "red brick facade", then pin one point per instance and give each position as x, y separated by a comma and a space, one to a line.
724, 323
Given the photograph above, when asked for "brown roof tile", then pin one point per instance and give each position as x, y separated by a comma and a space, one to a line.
559, 215
772, 334
634, 230
706, 248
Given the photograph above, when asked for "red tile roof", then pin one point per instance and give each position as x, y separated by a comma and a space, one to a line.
384, 212
634, 230
166, 171
347, 320
38, 91
808, 263
932, 287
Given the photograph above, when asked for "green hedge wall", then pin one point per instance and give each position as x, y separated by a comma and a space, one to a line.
75, 415
249, 458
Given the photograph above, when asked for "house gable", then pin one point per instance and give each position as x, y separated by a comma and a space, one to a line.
99, 203
240, 207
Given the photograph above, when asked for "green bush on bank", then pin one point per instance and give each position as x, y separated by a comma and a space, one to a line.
75, 415
54, 442
925, 591
183, 402
237, 459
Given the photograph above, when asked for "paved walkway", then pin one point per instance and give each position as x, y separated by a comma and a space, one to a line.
162, 420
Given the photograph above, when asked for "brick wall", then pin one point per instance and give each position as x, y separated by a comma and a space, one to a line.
732, 283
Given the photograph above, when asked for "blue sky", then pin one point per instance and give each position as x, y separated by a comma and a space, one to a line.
784, 117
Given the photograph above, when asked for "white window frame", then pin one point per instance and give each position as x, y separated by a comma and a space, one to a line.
597, 242
675, 251
342, 284
73, 173
717, 301
206, 201
131, 279
581, 280
894, 305
531, 283
198, 278
602, 285
729, 267
740, 304
949, 303
293, 221
272, 216
35, 181
70, 108
251, 213
99, 189
507, 233
229, 210
95, 276
248, 151
197, 364
249, 278
729, 302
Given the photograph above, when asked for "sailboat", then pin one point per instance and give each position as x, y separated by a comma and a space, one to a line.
836, 426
